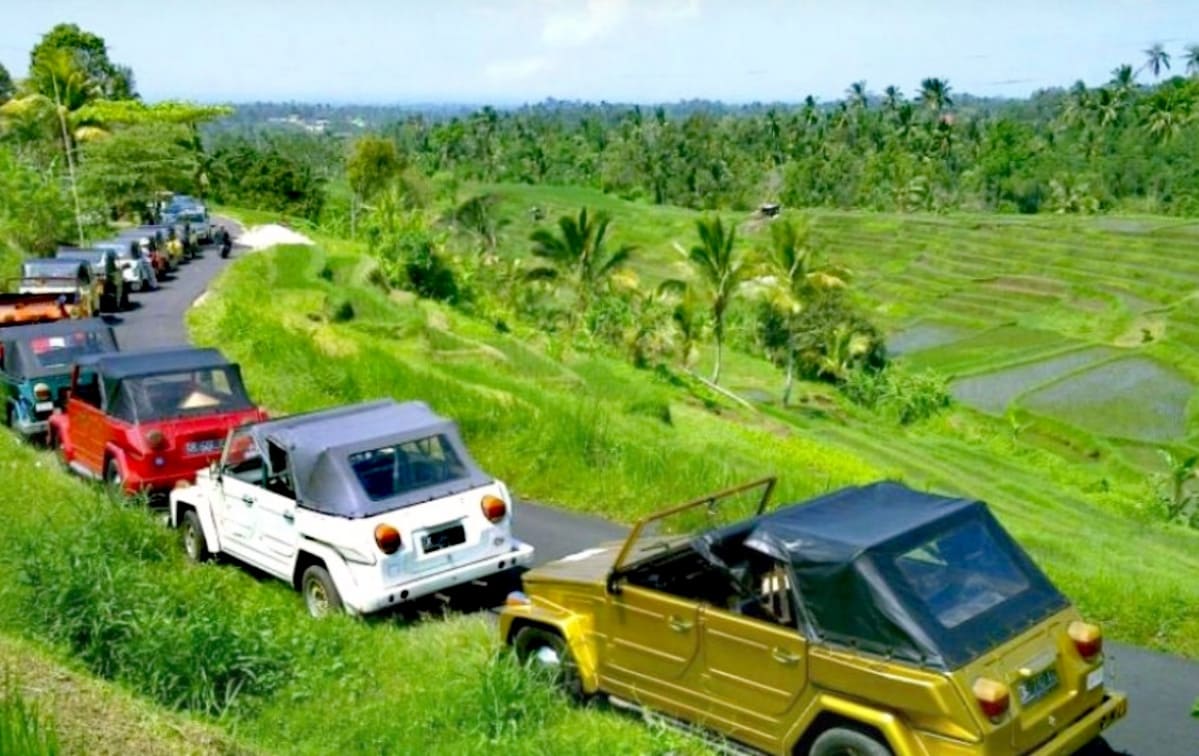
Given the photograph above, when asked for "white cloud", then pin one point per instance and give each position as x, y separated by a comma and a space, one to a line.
515, 70
580, 25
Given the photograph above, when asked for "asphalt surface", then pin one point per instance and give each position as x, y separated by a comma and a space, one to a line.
1161, 688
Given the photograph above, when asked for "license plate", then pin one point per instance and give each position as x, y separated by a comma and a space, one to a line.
43, 407
203, 447
442, 539
1037, 686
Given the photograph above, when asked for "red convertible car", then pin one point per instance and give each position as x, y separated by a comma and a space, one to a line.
144, 421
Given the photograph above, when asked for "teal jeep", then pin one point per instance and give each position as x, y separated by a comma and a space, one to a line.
35, 367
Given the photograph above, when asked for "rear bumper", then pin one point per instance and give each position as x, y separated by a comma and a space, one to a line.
30, 427
373, 600
1083, 731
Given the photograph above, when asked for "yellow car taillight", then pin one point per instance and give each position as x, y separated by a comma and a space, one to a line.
993, 697
1088, 639
494, 508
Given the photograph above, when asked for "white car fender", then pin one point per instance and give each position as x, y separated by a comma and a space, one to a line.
336, 565
196, 498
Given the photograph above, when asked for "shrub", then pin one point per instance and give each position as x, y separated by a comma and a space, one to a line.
894, 392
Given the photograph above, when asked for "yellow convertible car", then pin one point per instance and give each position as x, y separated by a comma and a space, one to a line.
873, 620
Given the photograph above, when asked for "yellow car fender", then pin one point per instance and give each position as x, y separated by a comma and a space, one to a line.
899, 737
574, 629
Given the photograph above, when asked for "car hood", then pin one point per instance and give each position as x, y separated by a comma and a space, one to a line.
587, 566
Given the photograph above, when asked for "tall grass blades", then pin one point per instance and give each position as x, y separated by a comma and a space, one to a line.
24, 729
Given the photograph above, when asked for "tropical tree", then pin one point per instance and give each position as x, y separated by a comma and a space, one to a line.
935, 94
1192, 59
89, 51
577, 254
477, 215
1156, 59
1166, 112
794, 277
892, 97
722, 271
6, 86
1180, 471
373, 163
1124, 78
856, 95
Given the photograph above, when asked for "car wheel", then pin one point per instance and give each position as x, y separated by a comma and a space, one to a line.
194, 542
124, 299
547, 651
113, 476
320, 594
843, 741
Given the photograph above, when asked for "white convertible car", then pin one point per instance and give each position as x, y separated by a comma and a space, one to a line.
360, 508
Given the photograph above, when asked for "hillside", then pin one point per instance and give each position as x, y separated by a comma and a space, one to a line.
589, 432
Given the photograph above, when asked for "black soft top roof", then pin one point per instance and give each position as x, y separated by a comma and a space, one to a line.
153, 362
844, 550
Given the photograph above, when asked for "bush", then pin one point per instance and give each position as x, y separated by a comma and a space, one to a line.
896, 393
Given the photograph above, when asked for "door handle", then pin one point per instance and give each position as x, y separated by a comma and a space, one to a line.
248, 499
289, 517
679, 625
783, 656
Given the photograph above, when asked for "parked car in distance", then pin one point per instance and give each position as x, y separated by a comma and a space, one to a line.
35, 367
196, 218
872, 620
104, 266
360, 508
136, 267
50, 290
150, 419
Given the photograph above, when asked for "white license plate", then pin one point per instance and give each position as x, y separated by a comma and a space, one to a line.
43, 407
1037, 686
203, 447
1094, 678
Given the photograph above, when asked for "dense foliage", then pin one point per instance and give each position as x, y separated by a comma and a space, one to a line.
267, 177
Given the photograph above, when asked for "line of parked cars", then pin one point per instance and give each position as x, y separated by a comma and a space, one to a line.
873, 620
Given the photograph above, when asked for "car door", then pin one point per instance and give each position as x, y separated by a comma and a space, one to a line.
275, 537
753, 656
87, 424
652, 640
243, 472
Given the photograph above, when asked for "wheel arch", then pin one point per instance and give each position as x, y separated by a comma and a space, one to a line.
182, 501
832, 711
573, 629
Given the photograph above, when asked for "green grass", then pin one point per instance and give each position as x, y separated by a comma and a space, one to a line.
588, 432
24, 729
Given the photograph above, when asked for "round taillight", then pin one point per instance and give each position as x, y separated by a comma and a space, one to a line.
387, 539
494, 508
993, 698
1088, 639
155, 440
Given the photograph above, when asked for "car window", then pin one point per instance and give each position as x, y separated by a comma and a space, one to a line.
410, 466
87, 389
61, 351
190, 393
961, 573
279, 478
243, 459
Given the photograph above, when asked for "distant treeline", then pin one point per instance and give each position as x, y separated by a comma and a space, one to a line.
1124, 145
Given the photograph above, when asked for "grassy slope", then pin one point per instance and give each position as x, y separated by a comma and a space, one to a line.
582, 431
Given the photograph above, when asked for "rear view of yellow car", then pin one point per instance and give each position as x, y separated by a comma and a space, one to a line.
873, 620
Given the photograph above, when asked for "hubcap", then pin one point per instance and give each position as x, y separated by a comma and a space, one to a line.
547, 658
191, 542
318, 600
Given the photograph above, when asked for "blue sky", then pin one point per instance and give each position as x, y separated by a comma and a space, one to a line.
507, 51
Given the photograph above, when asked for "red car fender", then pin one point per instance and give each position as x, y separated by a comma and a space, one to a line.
60, 427
117, 453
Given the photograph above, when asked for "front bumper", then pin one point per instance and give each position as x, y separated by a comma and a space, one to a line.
1086, 729
376, 599
30, 427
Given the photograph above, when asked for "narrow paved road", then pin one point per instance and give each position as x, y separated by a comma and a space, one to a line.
1161, 688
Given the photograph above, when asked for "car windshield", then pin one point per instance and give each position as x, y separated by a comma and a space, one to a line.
49, 269
61, 351
410, 466
191, 393
191, 216
961, 573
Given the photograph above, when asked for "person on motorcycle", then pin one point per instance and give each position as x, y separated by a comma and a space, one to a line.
226, 241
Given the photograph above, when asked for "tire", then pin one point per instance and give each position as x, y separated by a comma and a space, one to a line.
113, 477
125, 299
546, 650
843, 741
195, 545
320, 594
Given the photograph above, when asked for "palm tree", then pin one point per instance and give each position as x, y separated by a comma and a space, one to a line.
934, 94
855, 95
791, 263
1192, 60
1166, 113
892, 97
721, 269
1156, 58
1124, 78
577, 254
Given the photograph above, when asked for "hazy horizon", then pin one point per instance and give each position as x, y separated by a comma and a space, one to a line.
513, 52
